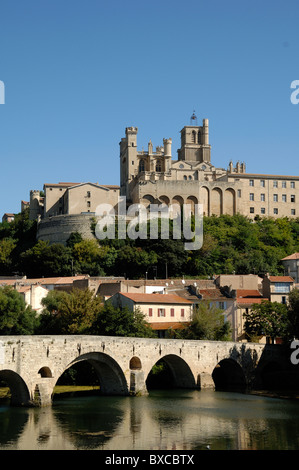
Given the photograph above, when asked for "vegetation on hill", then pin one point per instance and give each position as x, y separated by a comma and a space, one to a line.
231, 244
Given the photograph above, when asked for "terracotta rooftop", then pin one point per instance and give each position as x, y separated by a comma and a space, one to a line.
42, 280
250, 301
247, 293
156, 298
281, 279
166, 325
293, 256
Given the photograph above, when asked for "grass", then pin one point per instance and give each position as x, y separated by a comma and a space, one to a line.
58, 390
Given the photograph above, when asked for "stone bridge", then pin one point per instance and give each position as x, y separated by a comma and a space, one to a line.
31, 365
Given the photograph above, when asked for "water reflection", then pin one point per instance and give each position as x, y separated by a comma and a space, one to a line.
186, 420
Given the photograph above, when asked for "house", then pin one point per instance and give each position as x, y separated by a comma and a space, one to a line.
8, 217
162, 311
291, 266
277, 288
33, 296
244, 300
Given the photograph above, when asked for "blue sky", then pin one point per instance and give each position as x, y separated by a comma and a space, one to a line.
77, 73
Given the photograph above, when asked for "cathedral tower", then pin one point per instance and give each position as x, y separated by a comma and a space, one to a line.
195, 142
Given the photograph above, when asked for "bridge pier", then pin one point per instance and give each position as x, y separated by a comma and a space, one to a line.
42, 395
137, 383
205, 381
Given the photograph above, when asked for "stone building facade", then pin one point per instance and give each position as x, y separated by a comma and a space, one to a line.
153, 177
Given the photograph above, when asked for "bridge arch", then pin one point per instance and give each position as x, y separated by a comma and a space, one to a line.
179, 373
135, 363
19, 391
111, 377
229, 375
45, 372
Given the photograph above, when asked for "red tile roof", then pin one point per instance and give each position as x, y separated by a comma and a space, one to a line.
281, 279
293, 256
167, 325
156, 298
247, 293
250, 301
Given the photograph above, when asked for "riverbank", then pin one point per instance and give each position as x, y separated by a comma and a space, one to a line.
282, 394
60, 391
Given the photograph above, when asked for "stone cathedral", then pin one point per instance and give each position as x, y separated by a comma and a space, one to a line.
153, 177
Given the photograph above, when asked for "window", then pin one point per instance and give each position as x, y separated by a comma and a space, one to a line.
275, 184
262, 183
239, 193
283, 299
293, 184
275, 197
293, 198
263, 197
251, 182
251, 210
284, 198
88, 203
283, 287
158, 167
141, 165
293, 211
172, 312
150, 312
88, 193
284, 184
182, 312
161, 312
275, 210
263, 210
251, 197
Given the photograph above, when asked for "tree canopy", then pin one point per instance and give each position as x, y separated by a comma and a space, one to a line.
231, 244
16, 318
208, 323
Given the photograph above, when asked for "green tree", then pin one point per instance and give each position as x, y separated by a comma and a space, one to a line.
45, 260
112, 321
69, 312
266, 319
7, 245
293, 314
16, 318
207, 323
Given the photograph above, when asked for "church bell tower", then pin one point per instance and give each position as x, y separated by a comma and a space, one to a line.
195, 145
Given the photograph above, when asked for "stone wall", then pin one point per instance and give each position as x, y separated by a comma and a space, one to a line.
57, 229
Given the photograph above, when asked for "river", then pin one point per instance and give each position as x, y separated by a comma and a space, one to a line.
163, 420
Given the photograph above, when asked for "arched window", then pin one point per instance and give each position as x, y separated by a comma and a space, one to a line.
141, 165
